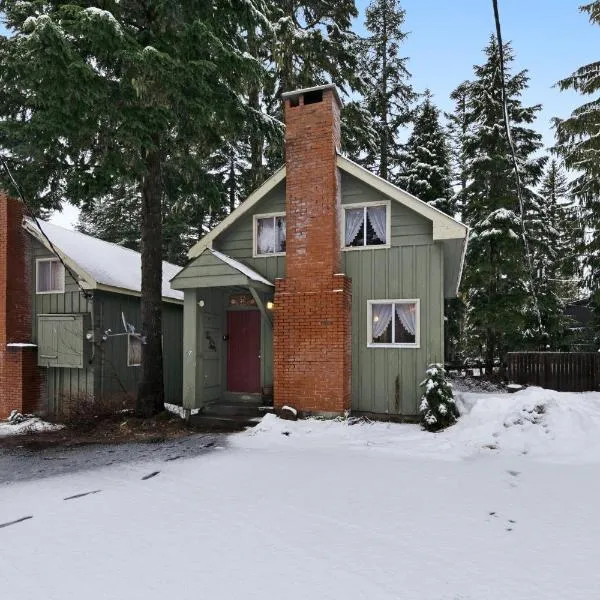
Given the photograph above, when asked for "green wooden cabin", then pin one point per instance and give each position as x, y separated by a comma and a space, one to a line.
79, 319
404, 264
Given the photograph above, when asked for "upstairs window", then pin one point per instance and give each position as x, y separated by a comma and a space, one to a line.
393, 323
50, 276
367, 225
269, 234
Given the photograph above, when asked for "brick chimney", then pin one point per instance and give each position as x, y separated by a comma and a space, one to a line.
312, 329
20, 380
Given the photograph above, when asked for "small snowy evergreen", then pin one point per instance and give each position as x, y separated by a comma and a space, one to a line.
437, 409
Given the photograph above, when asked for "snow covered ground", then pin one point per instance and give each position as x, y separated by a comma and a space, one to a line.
29, 425
501, 506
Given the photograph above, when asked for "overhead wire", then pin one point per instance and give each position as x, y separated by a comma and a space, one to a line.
515, 162
31, 214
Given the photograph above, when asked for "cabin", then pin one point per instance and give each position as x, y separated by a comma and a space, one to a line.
324, 289
70, 329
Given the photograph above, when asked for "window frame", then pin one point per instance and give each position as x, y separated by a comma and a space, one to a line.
365, 206
38, 261
417, 342
129, 363
255, 218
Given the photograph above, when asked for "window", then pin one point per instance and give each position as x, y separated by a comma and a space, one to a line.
134, 351
269, 234
50, 276
393, 323
367, 225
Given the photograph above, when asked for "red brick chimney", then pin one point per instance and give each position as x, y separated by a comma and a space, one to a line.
312, 329
19, 375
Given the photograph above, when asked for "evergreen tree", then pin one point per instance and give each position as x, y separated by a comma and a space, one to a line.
459, 126
497, 279
98, 100
427, 170
388, 95
578, 142
438, 409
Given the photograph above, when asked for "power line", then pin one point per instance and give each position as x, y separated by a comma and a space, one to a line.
515, 161
33, 217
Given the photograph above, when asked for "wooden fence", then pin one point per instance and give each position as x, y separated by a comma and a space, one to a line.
562, 371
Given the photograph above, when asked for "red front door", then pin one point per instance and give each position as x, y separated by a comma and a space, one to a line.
243, 351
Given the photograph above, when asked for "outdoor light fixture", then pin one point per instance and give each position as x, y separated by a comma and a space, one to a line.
201, 303
270, 305
89, 336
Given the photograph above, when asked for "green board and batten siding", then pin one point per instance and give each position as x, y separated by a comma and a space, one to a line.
384, 380
108, 372
60, 382
237, 240
113, 373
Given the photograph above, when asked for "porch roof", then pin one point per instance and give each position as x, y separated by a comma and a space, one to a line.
215, 269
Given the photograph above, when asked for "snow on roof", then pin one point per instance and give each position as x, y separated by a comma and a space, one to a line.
241, 267
107, 264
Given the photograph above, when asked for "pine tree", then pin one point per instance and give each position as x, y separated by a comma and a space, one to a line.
578, 142
438, 409
497, 277
426, 170
388, 96
459, 126
96, 100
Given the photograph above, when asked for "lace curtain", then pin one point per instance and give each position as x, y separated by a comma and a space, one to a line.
354, 221
382, 316
376, 215
407, 313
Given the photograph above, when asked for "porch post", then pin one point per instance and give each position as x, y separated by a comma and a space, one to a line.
192, 358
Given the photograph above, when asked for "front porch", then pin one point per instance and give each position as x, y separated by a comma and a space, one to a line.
228, 337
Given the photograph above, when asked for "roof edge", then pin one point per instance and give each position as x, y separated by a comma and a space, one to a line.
445, 226
89, 282
257, 195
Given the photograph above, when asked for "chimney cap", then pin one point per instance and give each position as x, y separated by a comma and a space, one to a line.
316, 88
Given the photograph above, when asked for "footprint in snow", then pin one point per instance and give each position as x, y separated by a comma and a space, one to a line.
514, 473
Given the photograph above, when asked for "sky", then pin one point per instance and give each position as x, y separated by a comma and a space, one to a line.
550, 39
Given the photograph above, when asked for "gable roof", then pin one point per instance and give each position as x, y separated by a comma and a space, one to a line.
101, 265
451, 233
215, 269
444, 226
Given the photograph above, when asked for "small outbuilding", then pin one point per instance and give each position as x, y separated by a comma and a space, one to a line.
70, 329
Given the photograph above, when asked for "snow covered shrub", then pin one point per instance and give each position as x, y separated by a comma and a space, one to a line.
438, 409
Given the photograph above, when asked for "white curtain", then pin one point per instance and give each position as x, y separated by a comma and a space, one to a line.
354, 220
281, 234
376, 216
382, 316
407, 313
265, 235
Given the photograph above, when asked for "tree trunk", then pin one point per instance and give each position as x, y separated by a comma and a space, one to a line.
150, 399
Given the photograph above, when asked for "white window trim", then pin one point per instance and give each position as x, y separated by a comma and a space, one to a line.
255, 218
129, 363
370, 303
37, 276
388, 225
